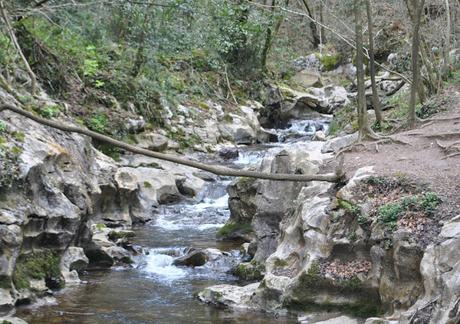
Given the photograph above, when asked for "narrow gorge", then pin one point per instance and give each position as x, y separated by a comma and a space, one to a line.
152, 201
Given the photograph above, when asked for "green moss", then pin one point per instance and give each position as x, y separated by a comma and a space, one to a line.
147, 184
2, 127
228, 118
246, 181
342, 118
230, 228
100, 226
49, 111
6, 322
281, 263
98, 123
36, 265
252, 271
115, 235
329, 61
19, 136
5, 282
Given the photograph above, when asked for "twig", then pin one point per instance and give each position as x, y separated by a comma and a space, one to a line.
229, 87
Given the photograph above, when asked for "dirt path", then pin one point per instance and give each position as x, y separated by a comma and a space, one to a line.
425, 158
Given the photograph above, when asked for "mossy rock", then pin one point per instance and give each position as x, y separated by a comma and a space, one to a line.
38, 265
5, 282
364, 301
250, 271
230, 230
116, 235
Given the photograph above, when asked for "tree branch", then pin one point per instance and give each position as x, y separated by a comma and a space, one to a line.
218, 170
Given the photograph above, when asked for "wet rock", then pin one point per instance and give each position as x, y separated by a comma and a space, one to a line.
6, 301
265, 136
228, 153
377, 320
339, 320
74, 258
195, 258
320, 136
228, 295
249, 271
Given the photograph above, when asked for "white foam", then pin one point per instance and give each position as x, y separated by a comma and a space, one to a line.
219, 203
161, 264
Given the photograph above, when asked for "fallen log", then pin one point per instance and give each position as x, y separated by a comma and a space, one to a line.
218, 170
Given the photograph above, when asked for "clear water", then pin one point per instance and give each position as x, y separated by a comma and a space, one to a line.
154, 290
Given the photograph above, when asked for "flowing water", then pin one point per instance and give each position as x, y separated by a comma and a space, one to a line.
154, 290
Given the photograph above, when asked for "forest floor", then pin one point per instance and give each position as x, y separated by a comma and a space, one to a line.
432, 155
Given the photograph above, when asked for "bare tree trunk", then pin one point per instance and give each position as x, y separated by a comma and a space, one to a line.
447, 42
316, 40
375, 94
362, 109
321, 19
417, 16
268, 39
219, 170
271, 35
14, 40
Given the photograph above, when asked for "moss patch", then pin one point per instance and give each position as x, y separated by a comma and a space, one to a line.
231, 228
252, 271
5, 282
36, 265
115, 235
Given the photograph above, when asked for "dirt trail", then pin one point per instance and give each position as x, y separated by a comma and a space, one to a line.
428, 158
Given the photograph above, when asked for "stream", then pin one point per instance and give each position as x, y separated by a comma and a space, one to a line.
154, 290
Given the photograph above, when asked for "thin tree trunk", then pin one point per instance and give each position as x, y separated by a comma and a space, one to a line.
362, 111
218, 170
321, 19
418, 9
316, 40
375, 94
271, 35
446, 68
14, 40
268, 39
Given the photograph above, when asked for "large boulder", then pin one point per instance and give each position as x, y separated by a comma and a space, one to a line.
195, 258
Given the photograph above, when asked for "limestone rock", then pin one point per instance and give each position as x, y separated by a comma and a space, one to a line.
152, 141
195, 258
307, 79
338, 143
228, 295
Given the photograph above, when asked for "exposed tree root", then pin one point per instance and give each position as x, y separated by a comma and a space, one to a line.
218, 170
450, 135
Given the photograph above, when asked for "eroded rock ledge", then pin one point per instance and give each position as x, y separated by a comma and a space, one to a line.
373, 249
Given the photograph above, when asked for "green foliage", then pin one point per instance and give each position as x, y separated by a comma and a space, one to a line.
98, 123
329, 61
231, 228
5, 282
389, 214
49, 111
109, 150
36, 265
2, 127
430, 202
342, 118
